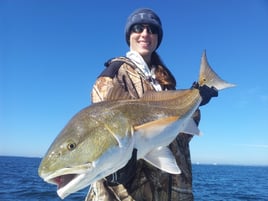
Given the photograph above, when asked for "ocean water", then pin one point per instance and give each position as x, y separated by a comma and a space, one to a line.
20, 181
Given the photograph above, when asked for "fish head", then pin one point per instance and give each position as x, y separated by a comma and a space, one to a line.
75, 159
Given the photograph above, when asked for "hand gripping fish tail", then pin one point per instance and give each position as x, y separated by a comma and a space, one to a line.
100, 139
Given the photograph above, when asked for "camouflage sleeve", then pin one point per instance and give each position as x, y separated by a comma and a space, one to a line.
130, 81
101, 89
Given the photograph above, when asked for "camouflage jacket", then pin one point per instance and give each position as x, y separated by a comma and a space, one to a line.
149, 183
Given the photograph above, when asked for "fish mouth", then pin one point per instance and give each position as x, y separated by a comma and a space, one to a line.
62, 180
67, 183
67, 180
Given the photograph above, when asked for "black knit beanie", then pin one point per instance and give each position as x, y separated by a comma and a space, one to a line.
144, 16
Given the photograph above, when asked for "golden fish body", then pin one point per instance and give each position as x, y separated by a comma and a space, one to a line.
100, 139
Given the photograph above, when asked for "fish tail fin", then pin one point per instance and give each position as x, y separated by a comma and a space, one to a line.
209, 77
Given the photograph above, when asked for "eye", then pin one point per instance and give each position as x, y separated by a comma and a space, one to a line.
71, 146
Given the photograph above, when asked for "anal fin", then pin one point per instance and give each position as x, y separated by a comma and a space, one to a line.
163, 159
191, 128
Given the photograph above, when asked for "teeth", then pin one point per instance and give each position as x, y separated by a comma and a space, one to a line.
145, 43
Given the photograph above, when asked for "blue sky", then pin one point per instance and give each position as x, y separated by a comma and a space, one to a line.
52, 51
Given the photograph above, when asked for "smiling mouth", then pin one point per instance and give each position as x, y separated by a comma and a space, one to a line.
143, 43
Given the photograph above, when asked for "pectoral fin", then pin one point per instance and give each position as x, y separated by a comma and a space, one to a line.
153, 128
163, 159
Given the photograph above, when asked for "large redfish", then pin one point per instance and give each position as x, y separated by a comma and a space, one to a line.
100, 139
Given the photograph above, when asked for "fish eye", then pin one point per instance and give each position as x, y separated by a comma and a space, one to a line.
71, 146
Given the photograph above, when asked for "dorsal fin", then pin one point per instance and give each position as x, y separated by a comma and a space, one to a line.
163, 95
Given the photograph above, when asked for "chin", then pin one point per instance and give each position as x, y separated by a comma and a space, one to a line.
145, 52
